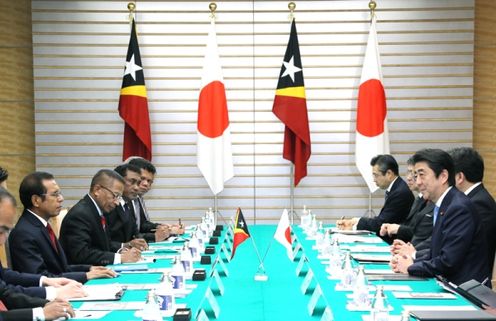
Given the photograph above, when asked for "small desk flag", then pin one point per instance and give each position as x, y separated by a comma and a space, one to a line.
241, 233
283, 233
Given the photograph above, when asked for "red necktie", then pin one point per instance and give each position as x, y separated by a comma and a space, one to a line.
3, 307
103, 221
53, 239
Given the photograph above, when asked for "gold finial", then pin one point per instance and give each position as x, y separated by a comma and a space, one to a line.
372, 6
212, 6
131, 6
292, 6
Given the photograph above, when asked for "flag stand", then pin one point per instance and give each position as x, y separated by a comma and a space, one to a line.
369, 212
260, 275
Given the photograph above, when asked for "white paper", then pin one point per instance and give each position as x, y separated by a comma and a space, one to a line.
90, 315
139, 313
110, 306
372, 257
423, 295
391, 287
368, 248
100, 292
358, 239
366, 317
378, 271
439, 308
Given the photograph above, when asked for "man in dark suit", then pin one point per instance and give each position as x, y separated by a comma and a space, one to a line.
122, 221
84, 233
150, 231
22, 307
418, 225
398, 200
458, 249
469, 169
33, 244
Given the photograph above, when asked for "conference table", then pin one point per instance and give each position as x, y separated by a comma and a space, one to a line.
295, 289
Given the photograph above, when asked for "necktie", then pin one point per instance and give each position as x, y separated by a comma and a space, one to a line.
3, 307
103, 220
386, 195
53, 239
436, 212
137, 210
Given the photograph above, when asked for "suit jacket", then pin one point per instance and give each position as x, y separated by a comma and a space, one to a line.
395, 209
83, 238
418, 225
26, 283
122, 225
146, 227
32, 251
458, 249
19, 305
486, 208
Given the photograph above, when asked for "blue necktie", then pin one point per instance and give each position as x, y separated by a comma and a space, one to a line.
436, 212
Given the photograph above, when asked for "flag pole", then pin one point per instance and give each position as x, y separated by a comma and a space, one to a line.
291, 7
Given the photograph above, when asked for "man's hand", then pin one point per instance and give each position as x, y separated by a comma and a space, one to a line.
162, 233
400, 263
177, 229
139, 244
396, 246
346, 224
130, 255
389, 229
58, 309
384, 229
407, 249
70, 291
56, 282
100, 272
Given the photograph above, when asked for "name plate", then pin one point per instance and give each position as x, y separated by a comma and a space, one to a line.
213, 302
306, 282
218, 282
223, 267
317, 293
202, 316
296, 250
327, 315
300, 265
224, 250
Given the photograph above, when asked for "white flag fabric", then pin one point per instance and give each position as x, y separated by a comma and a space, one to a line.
283, 233
214, 155
372, 136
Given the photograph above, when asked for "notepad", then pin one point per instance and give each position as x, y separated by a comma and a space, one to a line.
452, 315
371, 258
424, 295
107, 292
130, 267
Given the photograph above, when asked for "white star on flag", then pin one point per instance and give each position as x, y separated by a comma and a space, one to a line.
291, 69
132, 68
241, 224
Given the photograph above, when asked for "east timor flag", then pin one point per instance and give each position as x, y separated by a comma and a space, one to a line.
290, 106
133, 104
240, 231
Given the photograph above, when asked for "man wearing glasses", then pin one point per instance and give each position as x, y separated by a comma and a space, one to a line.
21, 306
122, 221
33, 244
85, 234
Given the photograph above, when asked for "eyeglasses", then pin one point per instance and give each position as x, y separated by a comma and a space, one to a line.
56, 194
117, 196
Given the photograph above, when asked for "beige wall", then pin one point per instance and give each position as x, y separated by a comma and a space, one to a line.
485, 88
16, 93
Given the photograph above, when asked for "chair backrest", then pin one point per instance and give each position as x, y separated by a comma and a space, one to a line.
57, 221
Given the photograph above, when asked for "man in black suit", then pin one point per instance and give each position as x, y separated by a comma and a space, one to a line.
458, 249
398, 200
150, 231
84, 233
469, 169
33, 244
122, 221
418, 225
22, 307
